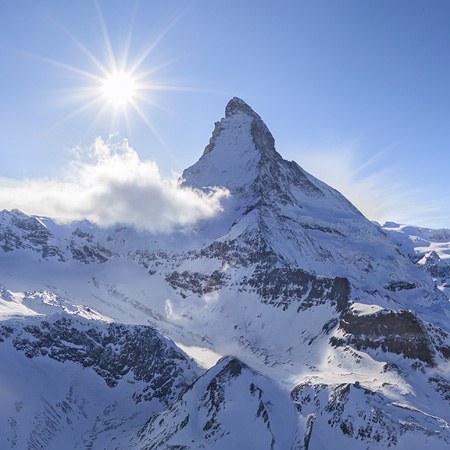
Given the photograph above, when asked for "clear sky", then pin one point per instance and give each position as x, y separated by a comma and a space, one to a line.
356, 91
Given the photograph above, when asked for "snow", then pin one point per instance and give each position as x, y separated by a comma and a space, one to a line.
204, 356
246, 411
424, 240
303, 227
30, 408
361, 309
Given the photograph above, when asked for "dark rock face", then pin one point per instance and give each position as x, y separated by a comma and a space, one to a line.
395, 286
398, 332
84, 248
442, 386
437, 268
113, 351
282, 287
351, 409
250, 249
196, 282
276, 286
208, 410
19, 231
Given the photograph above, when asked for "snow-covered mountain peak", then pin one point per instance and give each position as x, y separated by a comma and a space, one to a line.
237, 105
241, 157
240, 147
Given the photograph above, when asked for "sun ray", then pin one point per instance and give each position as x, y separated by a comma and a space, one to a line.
146, 120
168, 87
69, 116
84, 49
106, 40
143, 56
127, 43
65, 66
75, 95
155, 104
156, 69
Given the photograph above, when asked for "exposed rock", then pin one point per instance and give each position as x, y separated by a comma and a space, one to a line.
283, 287
395, 286
206, 416
20, 231
399, 332
442, 386
113, 351
349, 412
196, 282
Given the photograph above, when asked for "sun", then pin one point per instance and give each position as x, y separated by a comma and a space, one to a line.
119, 88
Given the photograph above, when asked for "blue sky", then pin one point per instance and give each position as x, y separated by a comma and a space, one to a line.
356, 91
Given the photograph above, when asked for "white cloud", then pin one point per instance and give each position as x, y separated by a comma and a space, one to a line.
111, 185
374, 185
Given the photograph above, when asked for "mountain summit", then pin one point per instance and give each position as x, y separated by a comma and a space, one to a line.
237, 105
243, 113
240, 146
241, 156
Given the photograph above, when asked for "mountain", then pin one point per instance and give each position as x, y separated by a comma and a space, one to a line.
230, 406
67, 380
311, 326
429, 248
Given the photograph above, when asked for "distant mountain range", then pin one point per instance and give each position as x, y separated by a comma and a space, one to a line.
287, 321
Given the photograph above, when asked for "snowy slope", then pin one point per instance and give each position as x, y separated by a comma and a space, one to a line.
231, 406
428, 248
423, 240
290, 278
351, 416
68, 382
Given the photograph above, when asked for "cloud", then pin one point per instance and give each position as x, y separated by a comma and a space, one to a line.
374, 185
110, 185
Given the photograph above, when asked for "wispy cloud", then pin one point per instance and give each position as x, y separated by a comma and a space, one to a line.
109, 184
374, 185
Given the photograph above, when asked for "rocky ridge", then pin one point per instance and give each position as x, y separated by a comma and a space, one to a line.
80, 379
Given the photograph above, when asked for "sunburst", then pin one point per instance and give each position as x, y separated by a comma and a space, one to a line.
116, 87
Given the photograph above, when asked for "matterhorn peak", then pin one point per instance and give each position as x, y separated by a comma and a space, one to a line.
242, 158
237, 105
240, 145
241, 121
